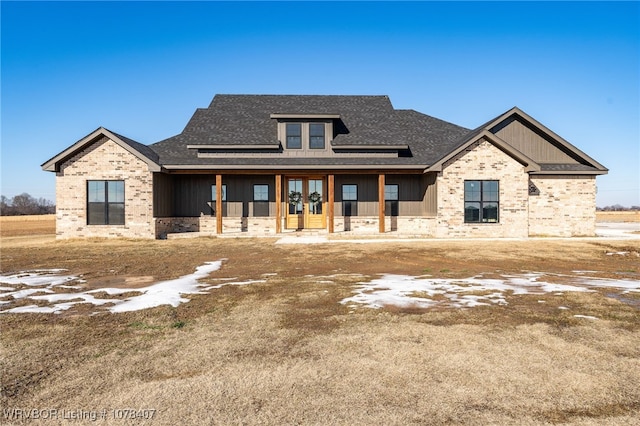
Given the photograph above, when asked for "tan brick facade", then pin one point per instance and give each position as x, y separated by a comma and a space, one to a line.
565, 206
562, 206
104, 160
482, 161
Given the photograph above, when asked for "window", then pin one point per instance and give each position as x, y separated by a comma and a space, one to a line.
260, 200
350, 200
316, 135
224, 199
391, 200
224, 192
105, 202
294, 136
481, 201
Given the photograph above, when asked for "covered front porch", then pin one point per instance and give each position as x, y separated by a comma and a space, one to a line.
262, 204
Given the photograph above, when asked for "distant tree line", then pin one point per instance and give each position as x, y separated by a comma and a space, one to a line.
25, 204
617, 208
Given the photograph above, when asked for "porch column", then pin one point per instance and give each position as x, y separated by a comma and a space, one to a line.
278, 204
381, 203
218, 204
331, 184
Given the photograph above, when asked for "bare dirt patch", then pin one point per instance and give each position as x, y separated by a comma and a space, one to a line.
285, 350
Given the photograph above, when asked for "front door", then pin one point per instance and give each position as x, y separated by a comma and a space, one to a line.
306, 203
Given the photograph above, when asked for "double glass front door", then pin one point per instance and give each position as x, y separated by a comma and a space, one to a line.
306, 203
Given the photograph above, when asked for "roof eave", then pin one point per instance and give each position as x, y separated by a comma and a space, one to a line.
235, 146
572, 172
170, 167
370, 147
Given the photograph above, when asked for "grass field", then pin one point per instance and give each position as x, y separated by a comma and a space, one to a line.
284, 350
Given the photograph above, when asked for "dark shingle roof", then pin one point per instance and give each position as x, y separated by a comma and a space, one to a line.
243, 120
549, 167
141, 148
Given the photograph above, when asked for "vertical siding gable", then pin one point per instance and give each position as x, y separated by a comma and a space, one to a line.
532, 142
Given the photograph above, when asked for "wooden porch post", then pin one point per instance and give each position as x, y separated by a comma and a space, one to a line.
381, 203
331, 183
218, 204
278, 204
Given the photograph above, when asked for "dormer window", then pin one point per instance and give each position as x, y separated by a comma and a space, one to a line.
305, 135
294, 136
316, 136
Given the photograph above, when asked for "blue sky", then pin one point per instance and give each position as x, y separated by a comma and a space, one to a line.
142, 68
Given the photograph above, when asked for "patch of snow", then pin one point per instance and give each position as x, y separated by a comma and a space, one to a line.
38, 277
167, 292
586, 317
408, 291
162, 293
564, 308
235, 283
619, 253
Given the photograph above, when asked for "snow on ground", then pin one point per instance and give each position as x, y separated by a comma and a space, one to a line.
396, 290
162, 293
617, 230
420, 292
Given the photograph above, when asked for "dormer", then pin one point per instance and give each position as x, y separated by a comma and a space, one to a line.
306, 134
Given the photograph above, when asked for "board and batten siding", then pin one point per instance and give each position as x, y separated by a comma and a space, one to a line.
417, 193
531, 142
191, 196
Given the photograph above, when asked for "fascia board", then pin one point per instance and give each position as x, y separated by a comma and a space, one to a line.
369, 147
303, 116
569, 172
238, 147
291, 167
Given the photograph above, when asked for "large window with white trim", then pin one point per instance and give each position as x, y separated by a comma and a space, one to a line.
481, 201
105, 202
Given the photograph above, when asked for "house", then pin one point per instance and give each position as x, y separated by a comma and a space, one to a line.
270, 164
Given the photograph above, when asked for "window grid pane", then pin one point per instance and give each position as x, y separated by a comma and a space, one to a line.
260, 192
391, 192
224, 192
105, 202
294, 135
349, 192
482, 201
316, 135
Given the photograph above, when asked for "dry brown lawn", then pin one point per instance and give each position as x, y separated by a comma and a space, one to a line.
285, 351
13, 226
627, 216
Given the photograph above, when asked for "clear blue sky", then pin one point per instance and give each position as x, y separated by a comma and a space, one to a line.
141, 69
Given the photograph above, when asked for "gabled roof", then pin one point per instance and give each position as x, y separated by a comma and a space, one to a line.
141, 151
583, 164
362, 125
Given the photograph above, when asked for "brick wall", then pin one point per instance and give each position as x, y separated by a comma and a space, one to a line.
482, 161
565, 206
104, 160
